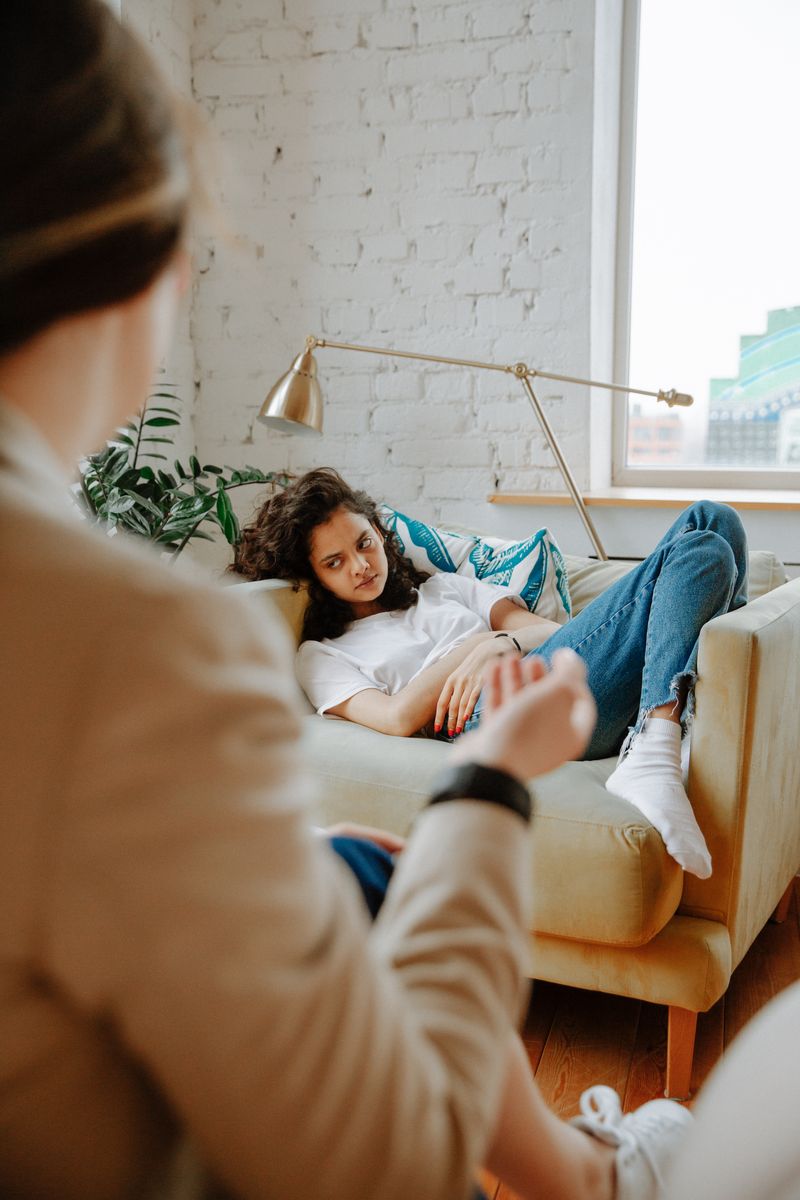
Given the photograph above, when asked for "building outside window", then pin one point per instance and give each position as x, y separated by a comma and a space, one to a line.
714, 253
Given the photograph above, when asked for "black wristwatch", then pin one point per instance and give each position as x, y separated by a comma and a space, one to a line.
471, 781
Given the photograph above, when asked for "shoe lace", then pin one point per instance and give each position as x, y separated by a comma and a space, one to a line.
650, 1125
637, 1131
601, 1104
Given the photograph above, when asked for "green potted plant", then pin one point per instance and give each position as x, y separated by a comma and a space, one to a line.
171, 508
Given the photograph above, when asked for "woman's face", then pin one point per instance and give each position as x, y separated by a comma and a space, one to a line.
348, 558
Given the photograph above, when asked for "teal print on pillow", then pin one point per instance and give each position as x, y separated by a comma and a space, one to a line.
429, 540
428, 548
534, 568
530, 568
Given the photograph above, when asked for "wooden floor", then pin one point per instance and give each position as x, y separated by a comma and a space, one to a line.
576, 1038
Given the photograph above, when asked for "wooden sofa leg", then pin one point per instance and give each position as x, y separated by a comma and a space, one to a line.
681, 1030
782, 911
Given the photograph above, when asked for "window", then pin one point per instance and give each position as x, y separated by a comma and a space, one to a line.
712, 244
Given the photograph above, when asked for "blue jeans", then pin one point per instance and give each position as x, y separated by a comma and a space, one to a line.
639, 637
371, 865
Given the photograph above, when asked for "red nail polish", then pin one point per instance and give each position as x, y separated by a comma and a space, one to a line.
458, 730
437, 729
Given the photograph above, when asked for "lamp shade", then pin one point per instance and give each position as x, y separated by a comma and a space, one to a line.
294, 404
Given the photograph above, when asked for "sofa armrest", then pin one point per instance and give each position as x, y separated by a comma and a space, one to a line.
744, 777
280, 598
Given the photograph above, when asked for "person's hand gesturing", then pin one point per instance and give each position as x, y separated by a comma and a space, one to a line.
533, 719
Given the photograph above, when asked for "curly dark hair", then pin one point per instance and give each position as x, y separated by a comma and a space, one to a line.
277, 543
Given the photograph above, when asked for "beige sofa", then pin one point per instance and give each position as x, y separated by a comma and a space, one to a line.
612, 911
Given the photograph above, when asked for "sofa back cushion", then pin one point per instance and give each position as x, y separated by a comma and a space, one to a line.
588, 577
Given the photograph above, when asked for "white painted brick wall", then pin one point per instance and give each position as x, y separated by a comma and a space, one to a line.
396, 173
168, 26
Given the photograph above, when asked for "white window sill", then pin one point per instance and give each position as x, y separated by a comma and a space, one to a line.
630, 520
641, 497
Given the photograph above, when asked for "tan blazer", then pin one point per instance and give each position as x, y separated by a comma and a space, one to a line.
176, 946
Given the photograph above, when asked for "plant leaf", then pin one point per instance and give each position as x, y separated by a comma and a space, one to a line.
122, 504
162, 408
226, 517
135, 521
147, 505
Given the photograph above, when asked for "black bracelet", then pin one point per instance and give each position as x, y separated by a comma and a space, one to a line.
472, 781
514, 640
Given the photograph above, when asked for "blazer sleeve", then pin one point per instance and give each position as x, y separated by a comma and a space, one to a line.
187, 903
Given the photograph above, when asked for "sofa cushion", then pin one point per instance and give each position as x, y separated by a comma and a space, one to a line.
601, 871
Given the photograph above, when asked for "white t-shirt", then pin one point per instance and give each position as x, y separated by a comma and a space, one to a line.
386, 651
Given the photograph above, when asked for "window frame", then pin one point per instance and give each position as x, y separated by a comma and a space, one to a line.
623, 475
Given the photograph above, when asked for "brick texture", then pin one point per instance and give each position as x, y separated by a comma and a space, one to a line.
168, 27
393, 174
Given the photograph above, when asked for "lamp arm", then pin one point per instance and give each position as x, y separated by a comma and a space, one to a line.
313, 342
520, 369
670, 398
566, 473
525, 374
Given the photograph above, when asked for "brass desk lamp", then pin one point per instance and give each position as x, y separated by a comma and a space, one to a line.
294, 404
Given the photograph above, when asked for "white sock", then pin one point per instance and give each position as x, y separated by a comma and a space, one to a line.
649, 777
686, 748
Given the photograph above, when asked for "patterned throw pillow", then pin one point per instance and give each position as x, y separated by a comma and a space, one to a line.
533, 568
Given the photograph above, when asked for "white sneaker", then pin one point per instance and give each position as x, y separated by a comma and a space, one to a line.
647, 1140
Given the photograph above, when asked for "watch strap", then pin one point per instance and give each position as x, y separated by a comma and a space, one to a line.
473, 781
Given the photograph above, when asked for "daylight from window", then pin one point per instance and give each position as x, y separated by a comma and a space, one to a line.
715, 303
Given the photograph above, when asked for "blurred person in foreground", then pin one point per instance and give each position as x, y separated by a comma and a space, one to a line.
179, 951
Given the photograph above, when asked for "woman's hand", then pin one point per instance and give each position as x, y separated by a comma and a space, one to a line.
367, 833
463, 685
533, 719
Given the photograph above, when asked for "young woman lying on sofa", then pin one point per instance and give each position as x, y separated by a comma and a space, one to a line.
390, 647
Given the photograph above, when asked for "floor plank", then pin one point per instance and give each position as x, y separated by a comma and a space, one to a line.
591, 1041
771, 964
649, 1057
541, 1012
505, 1193
575, 1038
